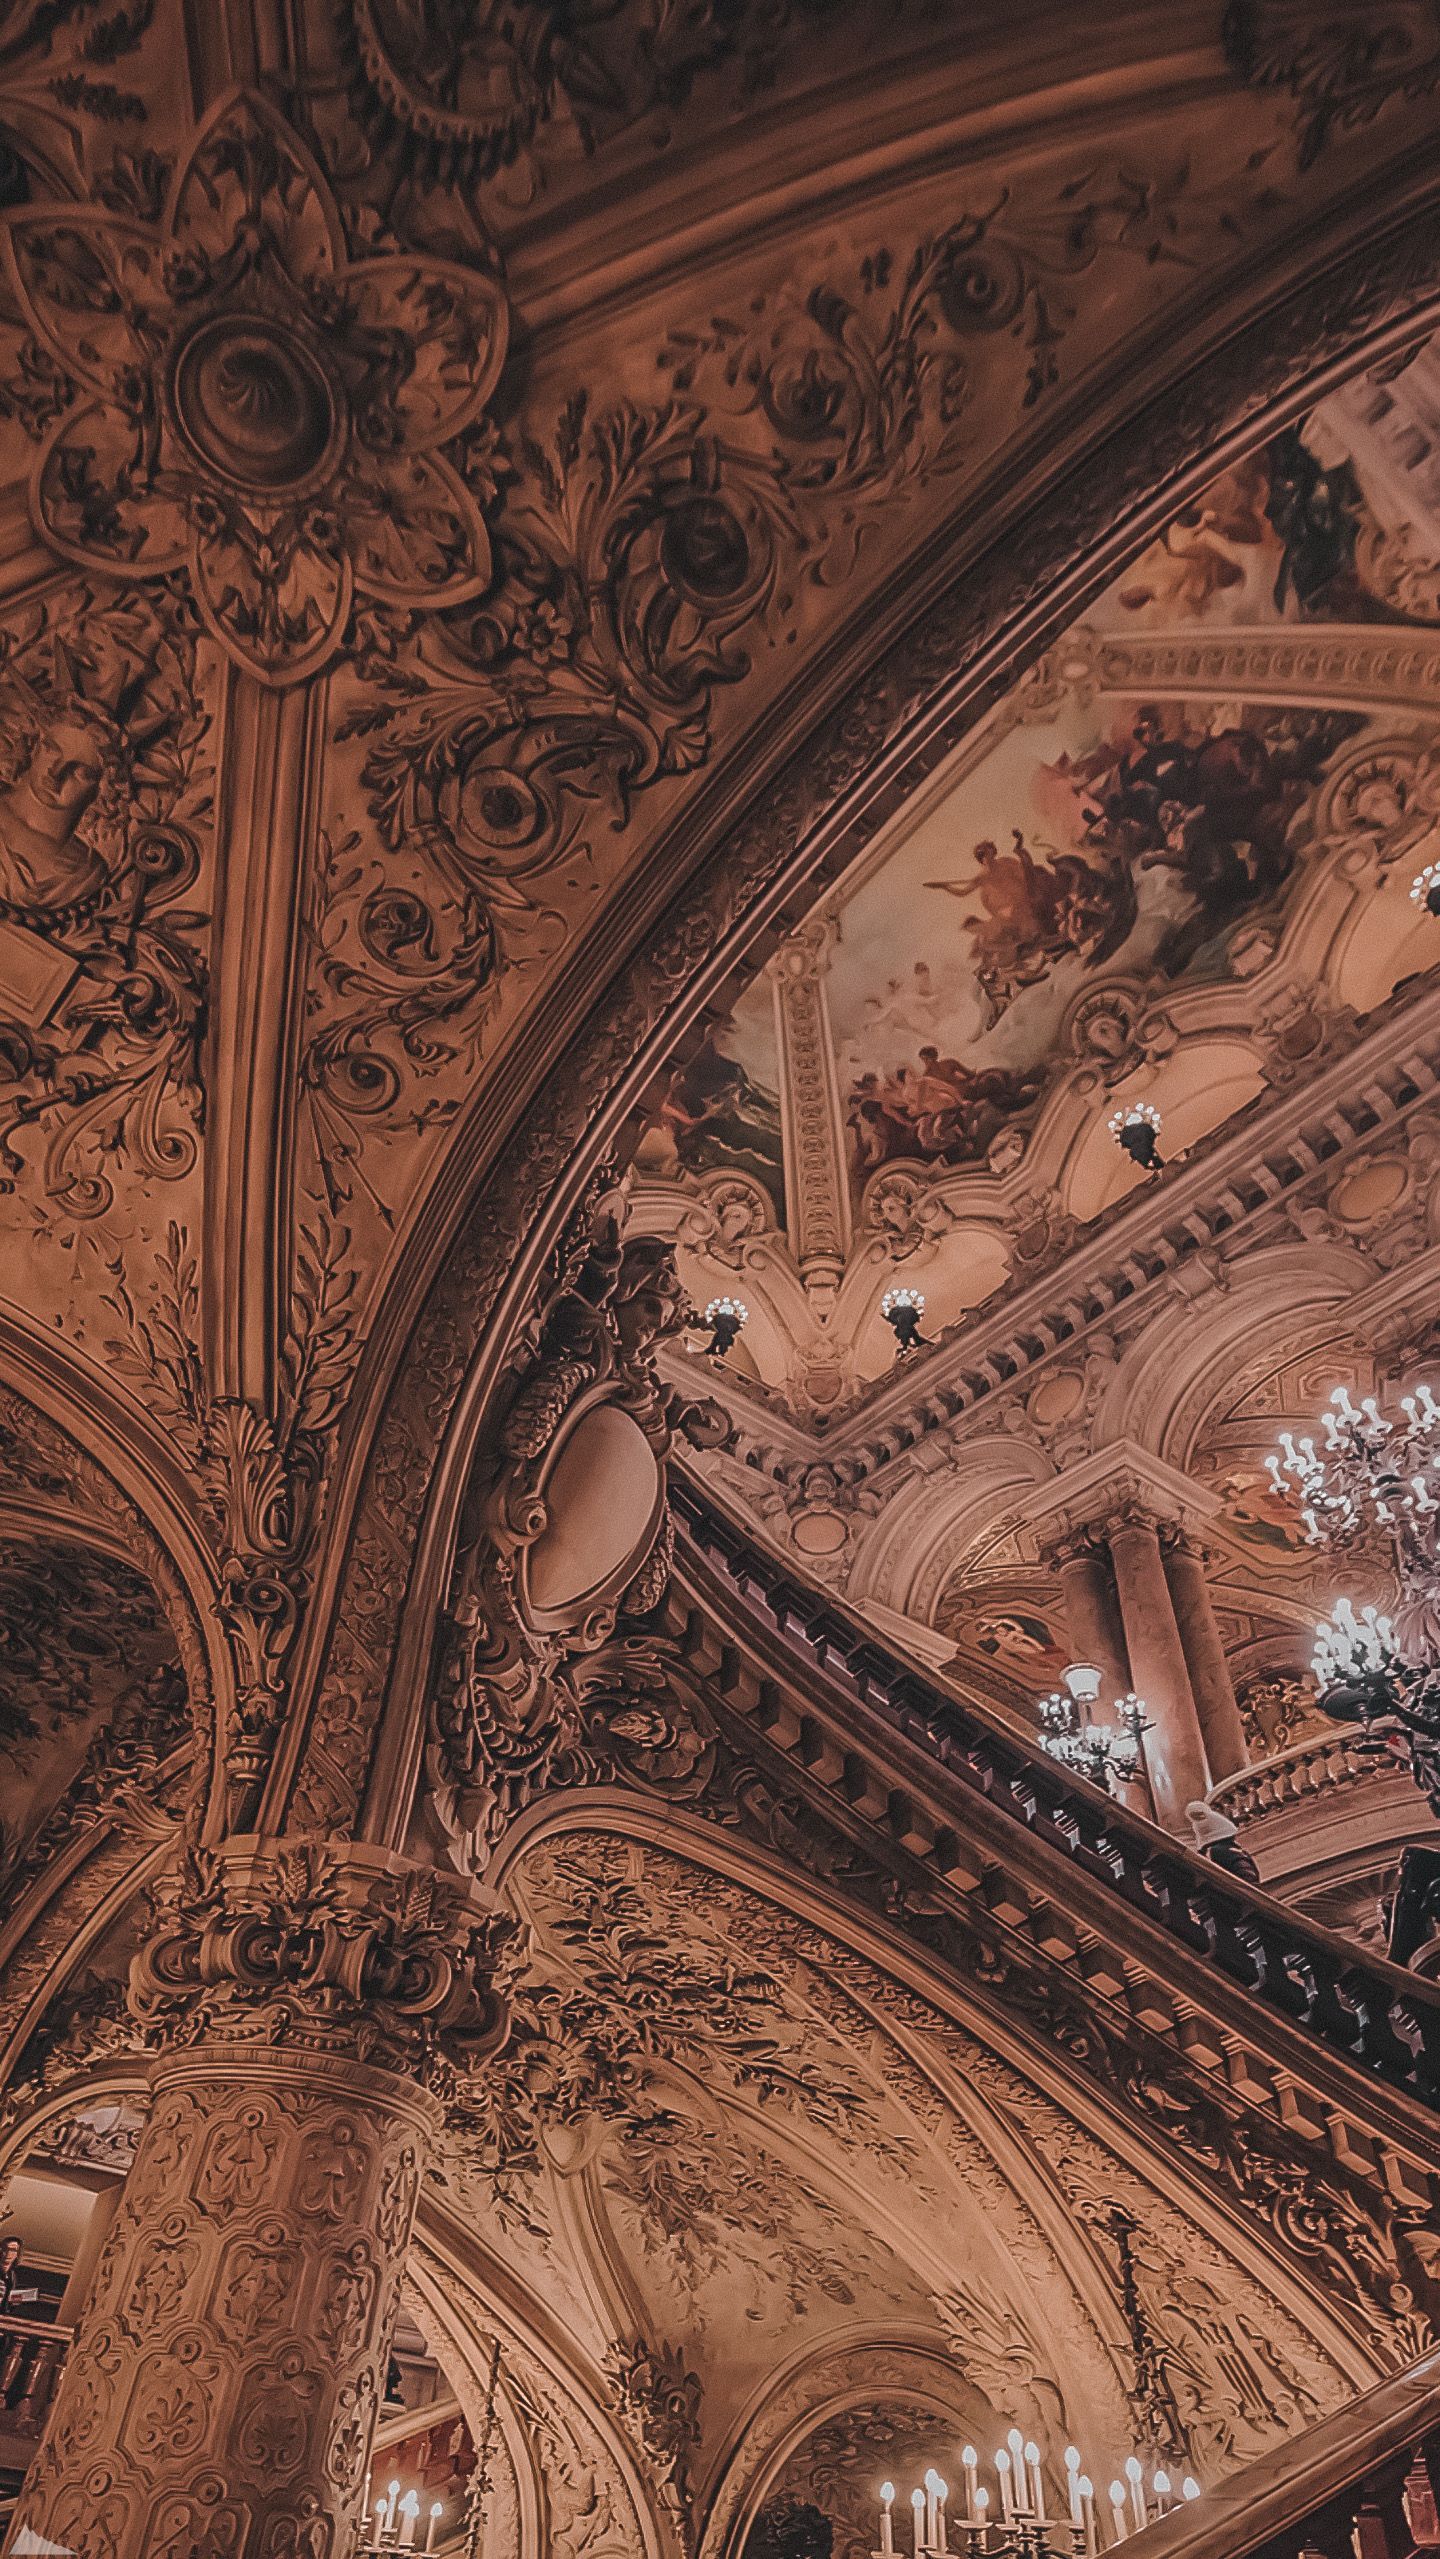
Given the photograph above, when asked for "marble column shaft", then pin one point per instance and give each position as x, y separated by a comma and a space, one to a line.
1092, 1616
1214, 1690
1174, 1748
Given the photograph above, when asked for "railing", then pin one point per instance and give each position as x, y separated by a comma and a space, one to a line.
1386, 2021
32, 2358
1361, 2485
1311, 1767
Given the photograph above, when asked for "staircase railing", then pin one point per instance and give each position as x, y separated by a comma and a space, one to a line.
32, 2358
1363, 2484
1385, 2020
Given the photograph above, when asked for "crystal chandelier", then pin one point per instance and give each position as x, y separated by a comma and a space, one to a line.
1099, 1751
1374, 1488
727, 1318
1013, 2523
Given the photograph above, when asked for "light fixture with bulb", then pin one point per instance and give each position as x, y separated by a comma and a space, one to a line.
1135, 1128
1099, 1750
902, 1309
727, 1318
1425, 888
1023, 2529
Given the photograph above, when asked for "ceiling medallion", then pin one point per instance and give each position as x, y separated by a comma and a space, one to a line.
249, 403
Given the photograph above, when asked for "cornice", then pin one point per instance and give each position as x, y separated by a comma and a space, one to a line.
1210, 1203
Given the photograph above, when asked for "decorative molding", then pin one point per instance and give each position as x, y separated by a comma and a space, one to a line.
319, 1947
234, 406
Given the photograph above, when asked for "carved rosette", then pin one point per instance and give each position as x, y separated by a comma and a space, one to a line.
313, 1946
224, 2384
249, 402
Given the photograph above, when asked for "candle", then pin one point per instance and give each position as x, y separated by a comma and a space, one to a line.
917, 2508
1007, 2504
970, 2463
1072, 2482
1085, 2489
1037, 2490
1117, 2509
1189, 2487
1136, 2477
409, 2519
390, 2506
932, 2505
982, 2508
380, 2518
887, 2520
436, 2512
1016, 2443
1162, 2490
942, 2491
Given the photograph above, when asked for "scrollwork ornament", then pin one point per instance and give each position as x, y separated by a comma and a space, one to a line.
531, 1694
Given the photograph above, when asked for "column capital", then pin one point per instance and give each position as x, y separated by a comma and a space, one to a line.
328, 1948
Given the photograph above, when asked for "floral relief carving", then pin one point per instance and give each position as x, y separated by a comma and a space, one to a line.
1341, 63
327, 1949
251, 405
104, 795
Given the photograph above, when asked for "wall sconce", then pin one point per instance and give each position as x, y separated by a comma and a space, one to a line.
1136, 1131
727, 1318
902, 1309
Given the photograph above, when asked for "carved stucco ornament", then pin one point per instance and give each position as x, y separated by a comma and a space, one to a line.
248, 402
327, 1947
549, 1674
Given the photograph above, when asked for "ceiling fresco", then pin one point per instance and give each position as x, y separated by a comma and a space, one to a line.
1005, 962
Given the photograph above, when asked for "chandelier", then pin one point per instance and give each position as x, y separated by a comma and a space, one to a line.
1021, 2528
1099, 1751
1374, 1488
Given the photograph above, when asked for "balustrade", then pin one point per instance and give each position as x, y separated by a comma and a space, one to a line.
32, 2358
1386, 2021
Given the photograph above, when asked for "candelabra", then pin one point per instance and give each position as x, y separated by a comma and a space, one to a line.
1100, 1751
1375, 1487
396, 2522
1023, 2529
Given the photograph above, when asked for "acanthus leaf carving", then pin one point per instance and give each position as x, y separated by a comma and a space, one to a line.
327, 1947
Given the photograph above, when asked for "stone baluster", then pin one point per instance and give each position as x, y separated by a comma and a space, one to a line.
224, 2382
1174, 1747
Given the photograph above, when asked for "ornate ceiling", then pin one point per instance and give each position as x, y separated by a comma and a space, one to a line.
775, 606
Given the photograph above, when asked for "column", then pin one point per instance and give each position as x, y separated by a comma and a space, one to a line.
1092, 1616
1214, 1690
1174, 1751
223, 2386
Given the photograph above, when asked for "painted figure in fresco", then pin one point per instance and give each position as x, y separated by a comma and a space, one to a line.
938, 1109
717, 1117
1201, 553
1217, 808
1318, 511
1037, 912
